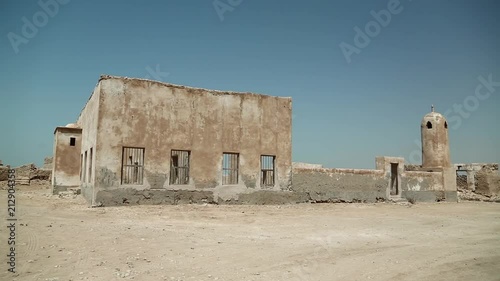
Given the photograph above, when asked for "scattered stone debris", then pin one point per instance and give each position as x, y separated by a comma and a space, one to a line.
468, 195
25, 174
70, 193
4, 173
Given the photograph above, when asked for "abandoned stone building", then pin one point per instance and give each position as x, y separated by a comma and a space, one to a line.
139, 141
177, 142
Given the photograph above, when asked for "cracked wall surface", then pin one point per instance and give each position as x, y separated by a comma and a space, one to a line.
160, 117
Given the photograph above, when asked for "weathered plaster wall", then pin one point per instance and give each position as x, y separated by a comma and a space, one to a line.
348, 185
66, 169
351, 185
341, 185
423, 186
309, 185
488, 184
430, 184
88, 122
161, 117
422, 180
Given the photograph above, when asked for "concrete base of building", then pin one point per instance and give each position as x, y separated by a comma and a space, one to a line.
430, 196
129, 196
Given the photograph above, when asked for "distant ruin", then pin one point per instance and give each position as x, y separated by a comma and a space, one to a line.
482, 178
28, 172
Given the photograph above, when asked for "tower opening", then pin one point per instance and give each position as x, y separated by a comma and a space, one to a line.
446, 125
429, 125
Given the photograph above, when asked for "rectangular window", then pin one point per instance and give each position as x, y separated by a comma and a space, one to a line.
85, 167
230, 168
267, 170
132, 165
72, 141
179, 167
90, 165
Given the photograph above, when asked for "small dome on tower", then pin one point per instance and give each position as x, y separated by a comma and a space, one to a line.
432, 118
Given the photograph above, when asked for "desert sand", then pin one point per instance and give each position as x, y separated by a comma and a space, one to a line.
62, 238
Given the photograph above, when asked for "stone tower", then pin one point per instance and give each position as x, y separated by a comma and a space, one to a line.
435, 145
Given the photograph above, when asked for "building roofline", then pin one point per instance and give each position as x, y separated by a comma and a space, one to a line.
90, 97
125, 78
66, 129
216, 92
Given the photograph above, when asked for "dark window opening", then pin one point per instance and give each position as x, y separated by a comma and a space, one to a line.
81, 168
394, 179
179, 167
72, 141
446, 125
85, 167
90, 165
230, 168
132, 165
429, 125
267, 170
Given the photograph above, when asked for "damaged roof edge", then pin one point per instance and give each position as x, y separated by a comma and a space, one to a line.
216, 92
91, 95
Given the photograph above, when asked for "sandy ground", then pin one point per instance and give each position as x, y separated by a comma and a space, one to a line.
63, 239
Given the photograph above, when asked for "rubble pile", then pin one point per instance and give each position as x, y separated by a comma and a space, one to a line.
28, 172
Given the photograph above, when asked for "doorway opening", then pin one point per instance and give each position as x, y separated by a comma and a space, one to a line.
394, 179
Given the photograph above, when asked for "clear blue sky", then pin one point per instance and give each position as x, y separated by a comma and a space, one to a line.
345, 114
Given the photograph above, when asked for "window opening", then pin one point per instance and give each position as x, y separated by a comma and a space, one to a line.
179, 167
132, 165
230, 168
267, 170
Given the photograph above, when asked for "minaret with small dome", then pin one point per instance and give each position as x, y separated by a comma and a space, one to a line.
435, 144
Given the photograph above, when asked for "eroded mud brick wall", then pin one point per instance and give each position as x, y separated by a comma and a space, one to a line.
423, 186
340, 185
